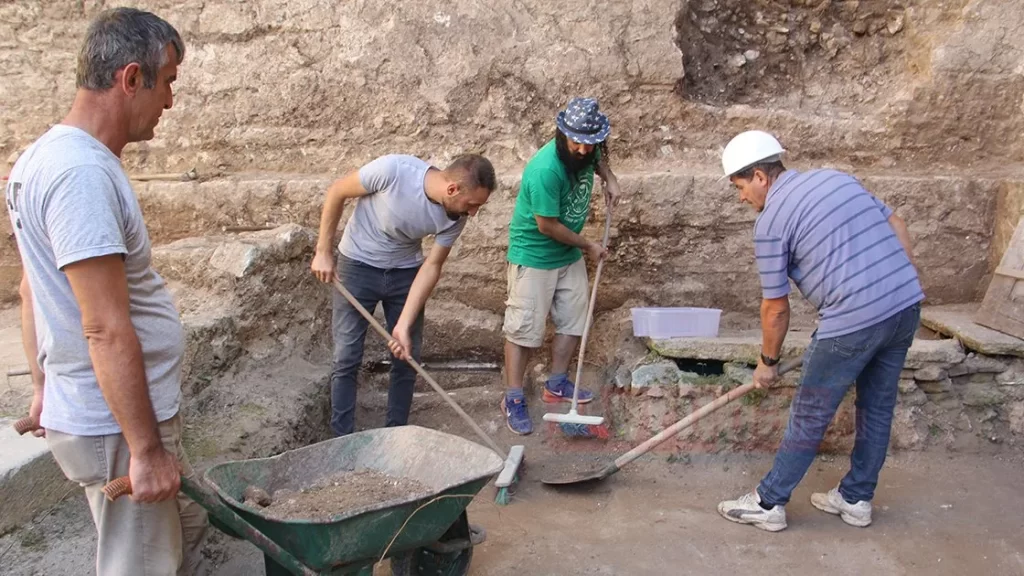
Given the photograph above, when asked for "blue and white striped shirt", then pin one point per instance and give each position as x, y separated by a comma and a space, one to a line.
825, 231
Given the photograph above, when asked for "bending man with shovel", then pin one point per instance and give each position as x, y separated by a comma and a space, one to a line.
850, 256
399, 201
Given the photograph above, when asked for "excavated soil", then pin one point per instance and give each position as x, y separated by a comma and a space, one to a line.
340, 493
568, 465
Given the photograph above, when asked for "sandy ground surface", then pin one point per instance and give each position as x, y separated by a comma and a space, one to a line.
935, 514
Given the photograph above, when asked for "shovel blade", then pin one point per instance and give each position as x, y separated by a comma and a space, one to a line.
567, 477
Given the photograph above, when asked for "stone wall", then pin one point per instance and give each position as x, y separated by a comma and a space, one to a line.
896, 92
949, 398
679, 238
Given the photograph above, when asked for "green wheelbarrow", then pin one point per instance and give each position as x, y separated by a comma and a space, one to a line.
424, 533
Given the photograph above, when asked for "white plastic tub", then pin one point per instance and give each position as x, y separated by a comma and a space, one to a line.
660, 323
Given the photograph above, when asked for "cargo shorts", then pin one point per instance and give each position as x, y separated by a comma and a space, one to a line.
533, 293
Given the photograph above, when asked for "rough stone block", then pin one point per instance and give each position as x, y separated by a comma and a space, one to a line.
623, 377
936, 386
739, 373
906, 374
907, 386
744, 347
983, 395
907, 433
925, 352
975, 363
1013, 376
30, 480
915, 398
1017, 418
648, 375
930, 373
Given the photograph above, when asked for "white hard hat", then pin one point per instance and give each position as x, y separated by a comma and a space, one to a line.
749, 148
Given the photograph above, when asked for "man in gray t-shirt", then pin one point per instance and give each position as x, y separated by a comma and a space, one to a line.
102, 337
399, 201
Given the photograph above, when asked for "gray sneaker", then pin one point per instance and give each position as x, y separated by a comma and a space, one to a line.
747, 510
858, 514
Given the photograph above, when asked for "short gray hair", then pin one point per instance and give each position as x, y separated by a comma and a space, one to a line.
119, 36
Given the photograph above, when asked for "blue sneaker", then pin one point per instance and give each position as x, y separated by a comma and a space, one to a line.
513, 404
559, 389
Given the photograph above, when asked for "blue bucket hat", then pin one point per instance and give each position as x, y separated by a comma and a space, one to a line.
583, 122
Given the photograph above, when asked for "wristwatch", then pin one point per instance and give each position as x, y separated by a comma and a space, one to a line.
768, 361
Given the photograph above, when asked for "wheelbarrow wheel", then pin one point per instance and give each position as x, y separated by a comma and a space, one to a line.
450, 556
421, 562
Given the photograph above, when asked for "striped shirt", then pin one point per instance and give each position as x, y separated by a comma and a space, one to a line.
826, 232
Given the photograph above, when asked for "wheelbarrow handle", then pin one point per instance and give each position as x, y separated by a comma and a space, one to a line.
122, 486
214, 505
26, 424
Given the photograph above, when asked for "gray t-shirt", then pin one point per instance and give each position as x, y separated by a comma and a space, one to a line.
388, 225
69, 200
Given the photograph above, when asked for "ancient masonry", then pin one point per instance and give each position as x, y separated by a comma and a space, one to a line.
962, 388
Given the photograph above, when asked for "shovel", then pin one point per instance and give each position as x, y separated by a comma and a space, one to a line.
572, 477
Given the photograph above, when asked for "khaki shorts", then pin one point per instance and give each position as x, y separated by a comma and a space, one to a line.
533, 293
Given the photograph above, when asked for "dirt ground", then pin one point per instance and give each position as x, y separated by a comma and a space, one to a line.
935, 514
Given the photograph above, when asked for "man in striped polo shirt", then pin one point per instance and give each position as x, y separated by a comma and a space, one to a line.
851, 257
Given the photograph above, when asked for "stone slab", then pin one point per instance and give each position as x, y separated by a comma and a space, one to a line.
957, 321
30, 480
729, 347
924, 352
746, 347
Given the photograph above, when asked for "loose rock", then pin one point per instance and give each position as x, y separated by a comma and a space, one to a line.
256, 495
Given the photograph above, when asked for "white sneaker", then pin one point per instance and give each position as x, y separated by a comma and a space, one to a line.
747, 510
858, 514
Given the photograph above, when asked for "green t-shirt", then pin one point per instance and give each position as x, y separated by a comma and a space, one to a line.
548, 190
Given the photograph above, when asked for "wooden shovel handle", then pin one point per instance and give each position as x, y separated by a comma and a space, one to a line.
697, 415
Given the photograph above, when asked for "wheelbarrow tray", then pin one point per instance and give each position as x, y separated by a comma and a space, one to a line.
448, 466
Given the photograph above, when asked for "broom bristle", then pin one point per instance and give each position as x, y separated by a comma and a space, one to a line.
504, 496
584, 430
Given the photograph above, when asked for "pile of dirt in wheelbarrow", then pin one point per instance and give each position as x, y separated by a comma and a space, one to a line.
339, 493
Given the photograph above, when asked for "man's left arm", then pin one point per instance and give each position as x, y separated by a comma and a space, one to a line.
28, 340
611, 182
772, 255
774, 325
422, 287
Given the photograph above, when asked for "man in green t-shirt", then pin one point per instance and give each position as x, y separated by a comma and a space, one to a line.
546, 273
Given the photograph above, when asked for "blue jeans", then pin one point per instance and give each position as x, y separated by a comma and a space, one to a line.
370, 286
873, 358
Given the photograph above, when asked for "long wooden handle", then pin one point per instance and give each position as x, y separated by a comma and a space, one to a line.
696, 416
416, 366
214, 505
590, 310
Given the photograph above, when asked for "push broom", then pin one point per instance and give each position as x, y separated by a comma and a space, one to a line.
573, 423
508, 474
